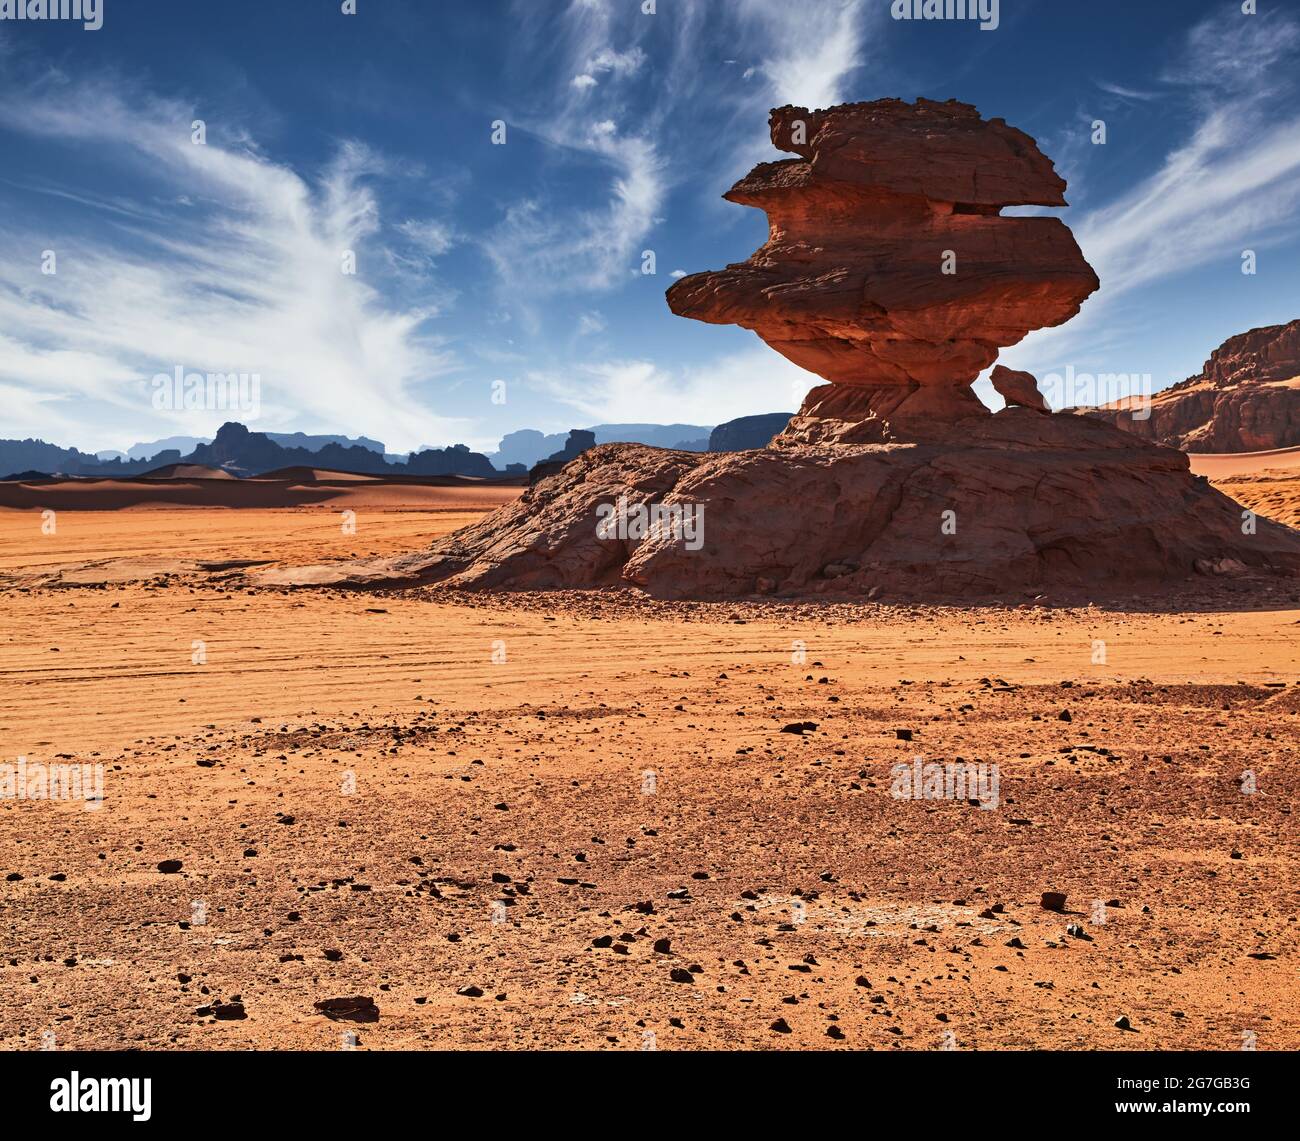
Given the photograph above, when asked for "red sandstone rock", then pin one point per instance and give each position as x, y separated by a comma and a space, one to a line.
893, 477
1018, 388
1039, 503
1246, 399
851, 284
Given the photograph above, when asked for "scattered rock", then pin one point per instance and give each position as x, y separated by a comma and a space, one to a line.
355, 1009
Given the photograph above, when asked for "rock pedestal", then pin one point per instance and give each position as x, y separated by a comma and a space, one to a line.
890, 273
889, 269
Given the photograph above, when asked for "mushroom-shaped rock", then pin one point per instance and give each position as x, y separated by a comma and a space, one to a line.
888, 268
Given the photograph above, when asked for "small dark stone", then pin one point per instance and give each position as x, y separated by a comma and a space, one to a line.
353, 1009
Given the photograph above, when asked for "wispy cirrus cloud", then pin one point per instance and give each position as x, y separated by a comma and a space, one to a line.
1232, 183
804, 51
799, 53
228, 262
543, 245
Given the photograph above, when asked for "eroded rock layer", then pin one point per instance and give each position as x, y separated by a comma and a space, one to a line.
888, 267
1027, 504
1245, 399
893, 478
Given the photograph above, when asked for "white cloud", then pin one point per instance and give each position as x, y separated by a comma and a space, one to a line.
808, 49
250, 280
620, 63
747, 382
591, 322
1233, 184
429, 237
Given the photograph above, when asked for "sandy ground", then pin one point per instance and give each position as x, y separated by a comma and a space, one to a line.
341, 491
1266, 482
585, 816
1230, 465
83, 540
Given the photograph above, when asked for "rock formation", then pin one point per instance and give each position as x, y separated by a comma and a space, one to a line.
748, 432
893, 477
1037, 503
888, 269
1245, 399
1018, 388
580, 440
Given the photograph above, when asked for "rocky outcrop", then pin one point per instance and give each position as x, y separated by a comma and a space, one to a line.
892, 477
889, 269
580, 440
1018, 388
747, 432
1245, 399
1027, 503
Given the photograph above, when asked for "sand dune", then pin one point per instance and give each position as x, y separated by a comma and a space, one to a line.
1228, 465
1266, 482
188, 471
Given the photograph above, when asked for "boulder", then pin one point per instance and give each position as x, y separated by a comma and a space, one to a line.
1018, 388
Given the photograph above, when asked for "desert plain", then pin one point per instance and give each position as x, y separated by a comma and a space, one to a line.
597, 821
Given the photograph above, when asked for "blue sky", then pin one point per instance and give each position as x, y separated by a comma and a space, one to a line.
522, 263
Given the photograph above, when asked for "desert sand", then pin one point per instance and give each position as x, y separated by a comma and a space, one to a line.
1267, 482
594, 821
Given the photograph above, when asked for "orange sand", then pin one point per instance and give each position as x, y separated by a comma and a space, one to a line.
503, 826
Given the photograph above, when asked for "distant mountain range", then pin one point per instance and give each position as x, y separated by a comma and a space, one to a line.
243, 452
529, 446
186, 444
